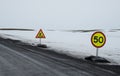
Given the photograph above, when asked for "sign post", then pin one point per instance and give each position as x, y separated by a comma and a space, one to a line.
97, 52
40, 35
40, 41
98, 40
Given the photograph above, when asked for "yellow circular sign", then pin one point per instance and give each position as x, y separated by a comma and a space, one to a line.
98, 39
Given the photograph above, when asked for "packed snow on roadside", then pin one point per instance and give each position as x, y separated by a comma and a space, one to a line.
76, 44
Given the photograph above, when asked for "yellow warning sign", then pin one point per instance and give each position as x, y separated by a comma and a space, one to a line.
40, 34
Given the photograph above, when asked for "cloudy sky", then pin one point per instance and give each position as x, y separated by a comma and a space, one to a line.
60, 13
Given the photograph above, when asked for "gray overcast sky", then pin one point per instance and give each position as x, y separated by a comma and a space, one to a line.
60, 13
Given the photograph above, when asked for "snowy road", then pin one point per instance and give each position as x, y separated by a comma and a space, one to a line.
19, 59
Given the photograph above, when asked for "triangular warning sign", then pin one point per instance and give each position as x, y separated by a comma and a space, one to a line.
40, 34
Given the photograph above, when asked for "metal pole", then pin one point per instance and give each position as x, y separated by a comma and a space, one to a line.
97, 52
40, 41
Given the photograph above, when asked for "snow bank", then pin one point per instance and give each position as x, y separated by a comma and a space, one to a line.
76, 44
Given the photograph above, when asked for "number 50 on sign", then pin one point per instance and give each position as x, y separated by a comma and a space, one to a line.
98, 39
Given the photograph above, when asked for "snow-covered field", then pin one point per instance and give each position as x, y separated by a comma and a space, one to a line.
76, 44
60, 19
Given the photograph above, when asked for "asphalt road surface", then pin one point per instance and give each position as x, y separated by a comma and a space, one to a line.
20, 59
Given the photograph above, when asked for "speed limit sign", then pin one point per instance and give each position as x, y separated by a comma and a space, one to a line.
98, 39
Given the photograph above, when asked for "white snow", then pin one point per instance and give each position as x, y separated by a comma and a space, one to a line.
76, 44
56, 16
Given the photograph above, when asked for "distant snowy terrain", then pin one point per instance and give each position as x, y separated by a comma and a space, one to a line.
72, 42
67, 24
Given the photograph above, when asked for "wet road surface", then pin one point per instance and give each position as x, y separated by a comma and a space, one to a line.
20, 59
